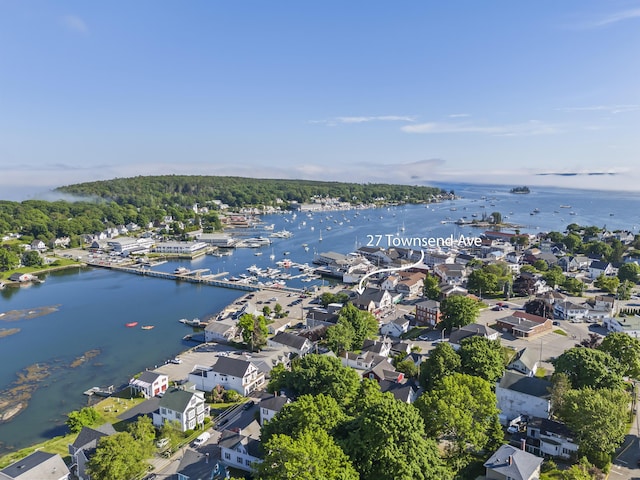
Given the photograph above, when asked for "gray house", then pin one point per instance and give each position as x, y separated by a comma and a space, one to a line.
511, 463
37, 466
84, 446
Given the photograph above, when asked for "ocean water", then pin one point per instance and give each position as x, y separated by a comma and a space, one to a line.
94, 304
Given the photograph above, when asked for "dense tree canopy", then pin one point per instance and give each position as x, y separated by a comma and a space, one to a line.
588, 367
481, 357
458, 311
442, 361
117, 457
254, 330
626, 350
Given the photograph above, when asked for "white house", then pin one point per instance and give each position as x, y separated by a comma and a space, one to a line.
597, 268
239, 449
526, 361
518, 394
628, 325
295, 343
271, 406
570, 311
185, 407
548, 438
220, 331
235, 374
37, 466
183, 248
396, 327
150, 384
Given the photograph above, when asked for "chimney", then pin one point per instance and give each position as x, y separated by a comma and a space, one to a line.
510, 459
523, 444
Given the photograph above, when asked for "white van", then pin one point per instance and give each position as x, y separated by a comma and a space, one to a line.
202, 438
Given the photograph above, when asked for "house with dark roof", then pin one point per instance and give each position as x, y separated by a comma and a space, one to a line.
380, 347
362, 361
395, 327
37, 466
406, 391
472, 330
518, 394
240, 450
598, 267
84, 446
196, 466
236, 374
373, 300
271, 406
548, 438
220, 331
186, 407
512, 463
295, 343
149, 384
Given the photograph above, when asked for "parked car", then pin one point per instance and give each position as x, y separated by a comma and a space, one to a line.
202, 438
163, 442
512, 429
248, 405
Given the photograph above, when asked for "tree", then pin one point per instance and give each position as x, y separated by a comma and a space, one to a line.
442, 361
316, 412
314, 374
573, 286
31, 259
364, 324
8, 259
629, 272
608, 284
254, 330
624, 290
496, 218
626, 350
117, 457
462, 409
554, 276
583, 470
481, 281
311, 455
144, 433
592, 341
408, 367
481, 357
458, 311
266, 311
598, 417
386, 441
340, 337
85, 417
588, 367
541, 265
573, 242
278, 310
560, 385
171, 430
431, 287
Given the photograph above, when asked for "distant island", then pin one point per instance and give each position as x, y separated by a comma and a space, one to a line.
520, 190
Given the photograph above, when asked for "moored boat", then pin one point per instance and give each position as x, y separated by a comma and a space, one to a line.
147, 327
131, 324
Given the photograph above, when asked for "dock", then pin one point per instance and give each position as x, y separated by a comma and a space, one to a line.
100, 391
195, 276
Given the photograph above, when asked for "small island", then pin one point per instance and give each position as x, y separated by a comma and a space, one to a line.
520, 190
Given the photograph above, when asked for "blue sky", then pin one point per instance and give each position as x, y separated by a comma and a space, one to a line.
409, 92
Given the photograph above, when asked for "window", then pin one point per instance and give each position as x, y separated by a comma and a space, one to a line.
239, 459
227, 456
247, 463
163, 411
178, 415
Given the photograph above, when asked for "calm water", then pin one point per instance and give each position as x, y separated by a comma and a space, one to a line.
95, 304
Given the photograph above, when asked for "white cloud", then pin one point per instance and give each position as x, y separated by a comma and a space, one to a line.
75, 24
332, 122
532, 127
612, 109
615, 18
459, 115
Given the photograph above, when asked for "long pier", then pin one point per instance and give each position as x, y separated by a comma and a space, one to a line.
195, 277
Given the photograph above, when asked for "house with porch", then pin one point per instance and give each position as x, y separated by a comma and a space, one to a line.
149, 384
548, 438
231, 373
186, 407
241, 449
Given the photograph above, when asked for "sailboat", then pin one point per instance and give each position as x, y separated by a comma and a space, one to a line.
320, 239
273, 255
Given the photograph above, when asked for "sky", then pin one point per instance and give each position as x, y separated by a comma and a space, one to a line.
502, 92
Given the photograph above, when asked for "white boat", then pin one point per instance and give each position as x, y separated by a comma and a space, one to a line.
181, 271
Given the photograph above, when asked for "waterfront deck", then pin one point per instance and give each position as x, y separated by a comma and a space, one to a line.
195, 277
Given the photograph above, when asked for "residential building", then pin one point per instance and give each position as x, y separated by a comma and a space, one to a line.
410, 284
239, 449
570, 311
150, 384
235, 374
518, 394
185, 407
373, 300
396, 327
511, 463
472, 330
428, 313
37, 466
220, 331
379, 347
451, 273
195, 466
605, 303
548, 438
84, 446
598, 267
295, 343
628, 325
271, 406
526, 361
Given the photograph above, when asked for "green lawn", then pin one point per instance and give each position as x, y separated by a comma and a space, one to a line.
560, 332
